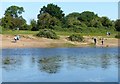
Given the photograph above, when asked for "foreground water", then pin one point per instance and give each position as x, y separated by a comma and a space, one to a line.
60, 65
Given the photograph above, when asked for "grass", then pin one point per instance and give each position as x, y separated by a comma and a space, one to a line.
69, 45
92, 45
19, 32
87, 34
0, 29
64, 33
53, 45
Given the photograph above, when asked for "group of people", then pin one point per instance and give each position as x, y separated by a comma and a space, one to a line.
102, 39
95, 41
17, 37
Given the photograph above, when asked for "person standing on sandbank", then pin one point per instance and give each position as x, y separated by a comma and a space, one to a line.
102, 41
95, 40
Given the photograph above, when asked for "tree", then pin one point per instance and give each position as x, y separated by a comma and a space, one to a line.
33, 25
45, 20
95, 23
117, 25
87, 16
106, 22
72, 22
19, 22
53, 10
6, 22
74, 14
14, 11
13, 18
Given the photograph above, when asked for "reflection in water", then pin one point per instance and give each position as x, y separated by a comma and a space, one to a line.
10, 63
60, 64
50, 64
105, 61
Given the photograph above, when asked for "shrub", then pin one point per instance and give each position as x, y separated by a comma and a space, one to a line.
117, 36
76, 37
34, 29
47, 33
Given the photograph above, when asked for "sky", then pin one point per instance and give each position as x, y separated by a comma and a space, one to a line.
109, 9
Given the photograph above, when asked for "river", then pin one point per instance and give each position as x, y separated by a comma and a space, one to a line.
60, 65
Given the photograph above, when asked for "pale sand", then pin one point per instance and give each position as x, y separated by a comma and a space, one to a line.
30, 41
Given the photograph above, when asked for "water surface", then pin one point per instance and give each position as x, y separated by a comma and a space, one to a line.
60, 65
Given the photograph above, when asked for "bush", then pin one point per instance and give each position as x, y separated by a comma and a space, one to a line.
117, 36
34, 29
46, 33
76, 37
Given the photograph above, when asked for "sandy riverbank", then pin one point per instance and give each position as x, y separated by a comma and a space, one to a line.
30, 41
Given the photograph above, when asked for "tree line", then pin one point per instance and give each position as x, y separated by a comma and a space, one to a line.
53, 17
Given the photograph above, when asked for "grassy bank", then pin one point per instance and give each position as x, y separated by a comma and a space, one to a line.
66, 31
19, 32
63, 33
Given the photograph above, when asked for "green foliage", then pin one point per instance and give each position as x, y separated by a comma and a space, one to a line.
9, 22
117, 36
15, 32
1, 29
87, 16
33, 25
76, 37
52, 17
74, 14
69, 45
95, 23
14, 11
13, 19
47, 21
87, 30
53, 10
89, 19
117, 25
106, 22
72, 22
46, 33
24, 27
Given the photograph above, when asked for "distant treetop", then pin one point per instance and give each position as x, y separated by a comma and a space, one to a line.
53, 10
14, 11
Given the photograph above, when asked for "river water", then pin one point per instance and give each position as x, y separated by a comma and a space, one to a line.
60, 65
